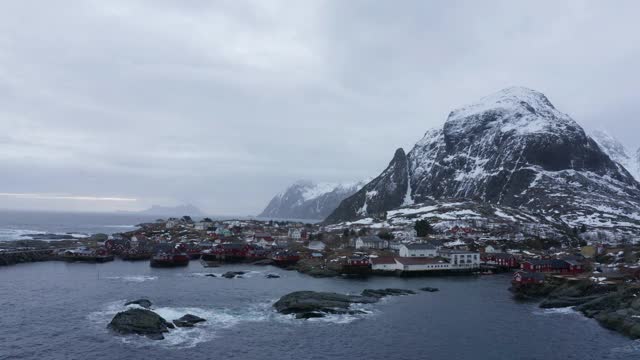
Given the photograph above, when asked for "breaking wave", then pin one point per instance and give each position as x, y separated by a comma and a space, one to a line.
133, 278
557, 311
218, 319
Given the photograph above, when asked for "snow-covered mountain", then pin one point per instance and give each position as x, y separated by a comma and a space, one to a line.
618, 152
307, 200
513, 149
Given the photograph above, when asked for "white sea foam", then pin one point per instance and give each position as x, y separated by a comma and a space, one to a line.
133, 278
557, 311
217, 319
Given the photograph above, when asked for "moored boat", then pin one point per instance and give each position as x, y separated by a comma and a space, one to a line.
163, 259
285, 258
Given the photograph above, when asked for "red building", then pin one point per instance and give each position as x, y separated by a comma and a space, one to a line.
556, 266
500, 259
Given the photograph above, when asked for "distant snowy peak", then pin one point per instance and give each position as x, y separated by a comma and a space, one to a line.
308, 200
618, 152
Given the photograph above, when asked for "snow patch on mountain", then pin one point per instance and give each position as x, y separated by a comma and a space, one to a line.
618, 152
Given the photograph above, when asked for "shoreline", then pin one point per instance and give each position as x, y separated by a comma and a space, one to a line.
614, 306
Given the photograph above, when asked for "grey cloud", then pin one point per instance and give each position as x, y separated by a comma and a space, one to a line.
224, 103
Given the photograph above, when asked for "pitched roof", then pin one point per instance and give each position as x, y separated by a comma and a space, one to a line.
420, 246
370, 239
385, 260
419, 261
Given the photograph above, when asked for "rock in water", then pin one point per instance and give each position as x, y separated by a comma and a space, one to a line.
141, 322
272, 276
312, 304
211, 275
188, 321
141, 302
233, 274
380, 293
429, 289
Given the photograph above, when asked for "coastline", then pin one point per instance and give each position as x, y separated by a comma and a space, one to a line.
614, 306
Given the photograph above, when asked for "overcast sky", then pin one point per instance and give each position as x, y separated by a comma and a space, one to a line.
121, 104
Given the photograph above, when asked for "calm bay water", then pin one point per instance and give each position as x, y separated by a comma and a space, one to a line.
56, 310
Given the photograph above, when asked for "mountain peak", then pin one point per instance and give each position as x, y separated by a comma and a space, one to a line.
516, 110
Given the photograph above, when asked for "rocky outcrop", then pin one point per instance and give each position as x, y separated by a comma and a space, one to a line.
233, 274
188, 320
140, 322
10, 257
387, 191
619, 311
430, 289
616, 307
312, 304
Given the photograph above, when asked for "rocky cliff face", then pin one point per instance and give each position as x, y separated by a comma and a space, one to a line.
306, 200
512, 148
387, 191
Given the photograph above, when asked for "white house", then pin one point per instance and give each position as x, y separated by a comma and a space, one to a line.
418, 250
295, 234
460, 259
383, 264
371, 242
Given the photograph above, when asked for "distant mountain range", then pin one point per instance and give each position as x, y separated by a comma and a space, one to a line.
176, 211
307, 200
510, 150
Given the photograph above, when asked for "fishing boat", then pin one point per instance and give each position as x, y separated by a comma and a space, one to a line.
285, 257
169, 259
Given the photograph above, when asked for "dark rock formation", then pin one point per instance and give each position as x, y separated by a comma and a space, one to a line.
430, 289
272, 276
385, 192
312, 304
616, 307
233, 274
188, 321
141, 322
